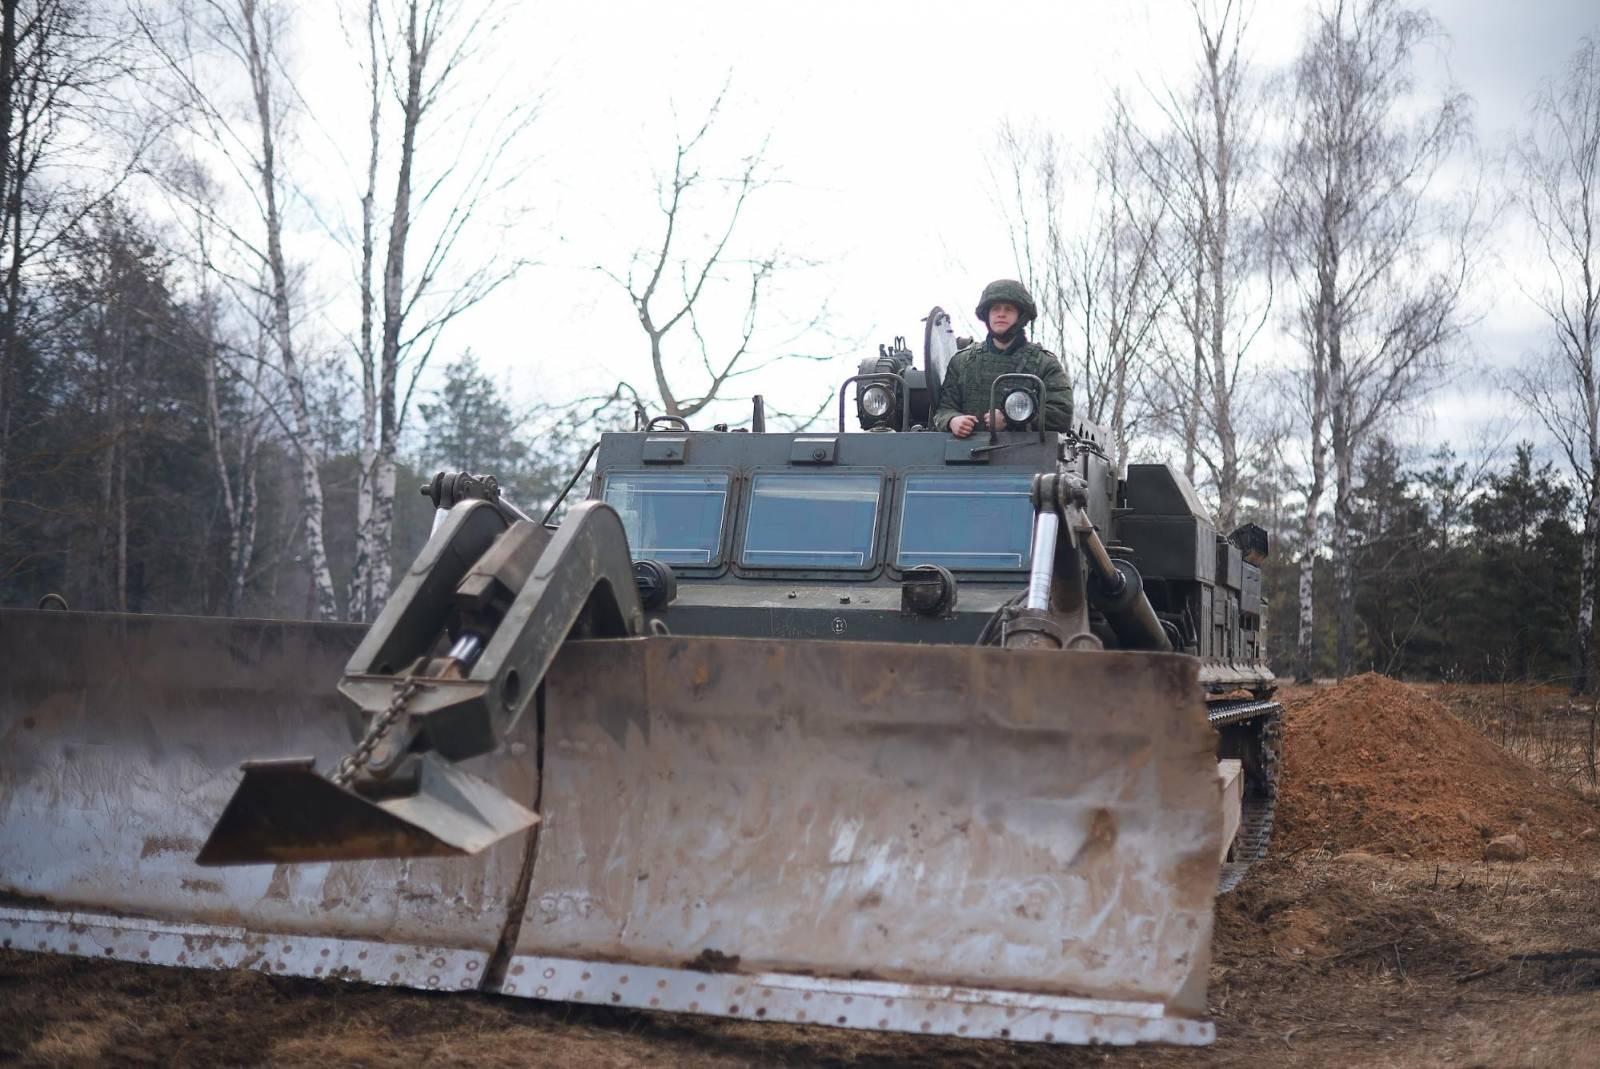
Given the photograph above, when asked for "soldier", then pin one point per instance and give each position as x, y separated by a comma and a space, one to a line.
1005, 308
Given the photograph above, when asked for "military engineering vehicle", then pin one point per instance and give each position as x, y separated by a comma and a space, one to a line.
868, 728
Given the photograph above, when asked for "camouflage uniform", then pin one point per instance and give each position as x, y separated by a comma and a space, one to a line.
967, 381
972, 371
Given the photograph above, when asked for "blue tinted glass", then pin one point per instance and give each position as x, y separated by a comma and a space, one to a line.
968, 522
811, 521
675, 519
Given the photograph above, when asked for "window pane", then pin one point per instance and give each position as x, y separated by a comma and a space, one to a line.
970, 522
811, 521
675, 519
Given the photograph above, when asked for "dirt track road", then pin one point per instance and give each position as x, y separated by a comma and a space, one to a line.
1377, 963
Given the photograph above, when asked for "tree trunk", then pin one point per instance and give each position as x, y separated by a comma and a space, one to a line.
1305, 641
394, 276
8, 77
324, 606
358, 605
1583, 675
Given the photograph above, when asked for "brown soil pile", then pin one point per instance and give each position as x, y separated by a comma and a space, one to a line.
1376, 766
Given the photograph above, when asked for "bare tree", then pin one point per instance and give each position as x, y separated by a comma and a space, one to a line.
247, 36
676, 283
417, 52
76, 126
1093, 275
1379, 262
1206, 168
1558, 159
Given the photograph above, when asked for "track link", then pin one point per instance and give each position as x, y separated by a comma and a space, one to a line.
1253, 730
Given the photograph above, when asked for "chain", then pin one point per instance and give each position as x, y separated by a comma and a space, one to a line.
376, 730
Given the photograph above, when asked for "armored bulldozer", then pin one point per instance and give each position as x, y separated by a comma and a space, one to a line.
869, 727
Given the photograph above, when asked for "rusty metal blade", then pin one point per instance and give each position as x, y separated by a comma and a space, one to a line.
121, 740
973, 842
285, 812
1028, 821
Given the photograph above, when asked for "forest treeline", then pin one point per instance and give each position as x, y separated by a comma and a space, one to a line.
1259, 274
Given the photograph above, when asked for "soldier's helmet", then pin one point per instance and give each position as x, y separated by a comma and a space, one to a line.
1012, 292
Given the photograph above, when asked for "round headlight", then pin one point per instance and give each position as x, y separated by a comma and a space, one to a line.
875, 400
1019, 406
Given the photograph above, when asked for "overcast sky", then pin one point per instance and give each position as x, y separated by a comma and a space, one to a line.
880, 119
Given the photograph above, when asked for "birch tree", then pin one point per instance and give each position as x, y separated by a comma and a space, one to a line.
1558, 167
1206, 166
447, 149
215, 44
1091, 272
1378, 259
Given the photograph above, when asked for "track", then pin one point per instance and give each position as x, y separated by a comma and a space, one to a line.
1252, 729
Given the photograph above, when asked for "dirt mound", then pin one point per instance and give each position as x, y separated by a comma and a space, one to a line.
1376, 766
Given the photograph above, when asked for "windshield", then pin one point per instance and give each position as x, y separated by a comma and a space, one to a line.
675, 519
811, 521
966, 521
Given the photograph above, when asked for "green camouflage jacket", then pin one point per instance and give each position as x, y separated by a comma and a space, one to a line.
965, 388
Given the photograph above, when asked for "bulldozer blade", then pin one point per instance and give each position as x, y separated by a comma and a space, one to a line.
286, 812
950, 840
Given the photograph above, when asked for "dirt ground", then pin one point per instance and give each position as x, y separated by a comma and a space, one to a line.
1406, 952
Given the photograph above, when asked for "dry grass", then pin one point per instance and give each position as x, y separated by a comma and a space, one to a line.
1540, 721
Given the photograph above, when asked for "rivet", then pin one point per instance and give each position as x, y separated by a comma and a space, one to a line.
734, 1008
324, 951
585, 976
848, 999
883, 1022
394, 978
1049, 1037
699, 987
516, 970
549, 974
926, 1025
738, 991
806, 997
654, 1001
433, 981
841, 1020
961, 1031
1005, 1033
438, 963
888, 1002
661, 983
761, 1011
622, 980
287, 949
362, 956
472, 966
466, 982
694, 1007
541, 991
616, 996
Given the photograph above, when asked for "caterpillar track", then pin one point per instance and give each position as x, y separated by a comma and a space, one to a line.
1251, 730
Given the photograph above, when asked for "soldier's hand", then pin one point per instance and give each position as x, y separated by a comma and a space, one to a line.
997, 420
962, 425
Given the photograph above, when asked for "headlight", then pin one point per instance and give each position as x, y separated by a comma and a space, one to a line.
875, 400
1019, 406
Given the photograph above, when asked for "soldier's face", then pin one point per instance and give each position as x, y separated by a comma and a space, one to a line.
1002, 317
